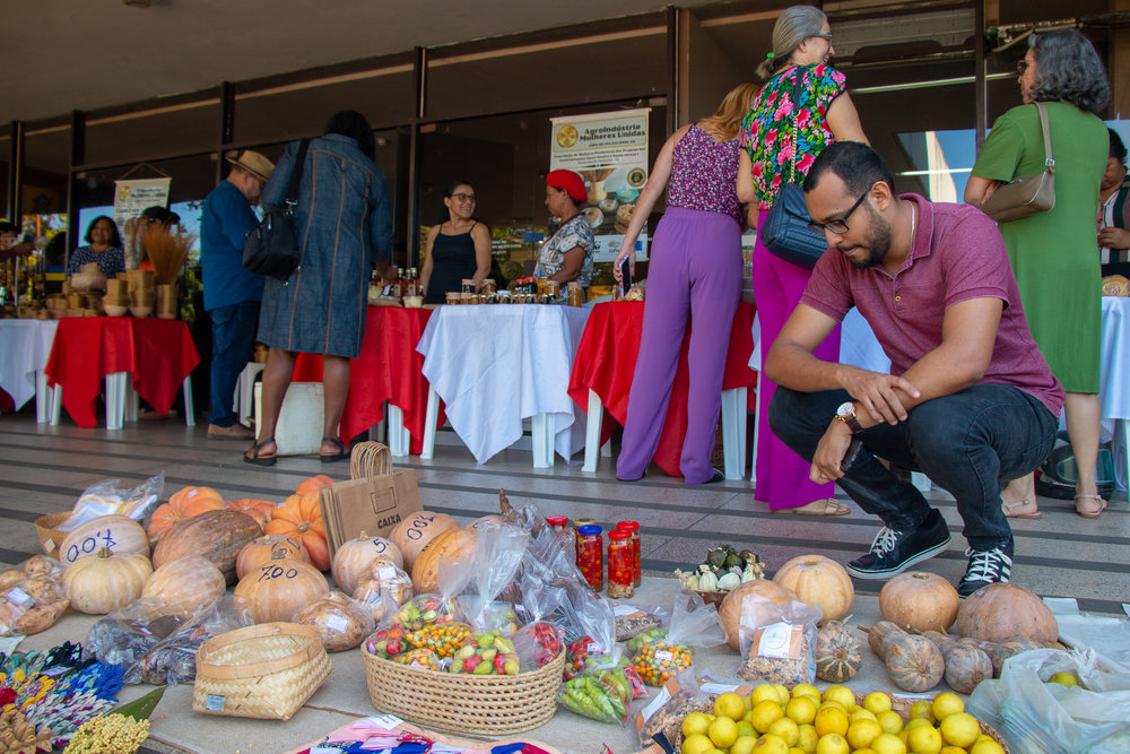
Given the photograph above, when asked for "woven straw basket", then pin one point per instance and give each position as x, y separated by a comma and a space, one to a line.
50, 537
265, 672
481, 705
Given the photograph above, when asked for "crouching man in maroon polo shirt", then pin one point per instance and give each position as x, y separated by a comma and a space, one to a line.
970, 400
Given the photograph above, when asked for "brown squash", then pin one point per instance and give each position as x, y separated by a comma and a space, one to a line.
183, 505
259, 509
453, 543
278, 590
217, 535
259, 551
120, 534
918, 601
730, 611
966, 667
417, 531
913, 662
1005, 611
819, 581
838, 653
183, 586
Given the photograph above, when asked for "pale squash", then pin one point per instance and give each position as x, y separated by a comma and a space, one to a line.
838, 653
300, 516
417, 531
914, 663
217, 535
183, 505
452, 544
258, 551
354, 559
730, 611
918, 601
1005, 611
819, 581
258, 509
183, 586
279, 589
966, 666
106, 582
119, 534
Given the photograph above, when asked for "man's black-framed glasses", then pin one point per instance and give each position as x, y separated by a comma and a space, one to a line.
840, 226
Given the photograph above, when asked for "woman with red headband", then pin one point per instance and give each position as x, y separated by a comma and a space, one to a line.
567, 255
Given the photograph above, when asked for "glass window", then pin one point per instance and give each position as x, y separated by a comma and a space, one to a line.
178, 129
47, 149
5, 156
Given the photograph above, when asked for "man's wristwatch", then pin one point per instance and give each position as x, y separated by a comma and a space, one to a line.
846, 414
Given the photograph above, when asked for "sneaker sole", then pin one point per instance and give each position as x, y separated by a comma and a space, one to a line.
889, 572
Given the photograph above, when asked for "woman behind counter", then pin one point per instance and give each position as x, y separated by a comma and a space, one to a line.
456, 249
104, 248
567, 255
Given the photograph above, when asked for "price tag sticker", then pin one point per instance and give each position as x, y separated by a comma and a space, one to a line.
624, 610
19, 597
594, 649
214, 703
779, 641
386, 572
718, 688
337, 623
664, 656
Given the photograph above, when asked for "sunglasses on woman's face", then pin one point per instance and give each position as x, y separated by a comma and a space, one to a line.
1022, 66
469, 198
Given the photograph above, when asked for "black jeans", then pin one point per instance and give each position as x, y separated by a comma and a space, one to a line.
233, 340
967, 443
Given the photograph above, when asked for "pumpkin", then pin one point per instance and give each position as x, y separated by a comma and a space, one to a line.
838, 654
217, 535
341, 622
1004, 611
119, 534
258, 551
914, 663
258, 509
183, 505
354, 559
879, 633
313, 483
452, 544
819, 581
919, 601
279, 589
183, 586
106, 582
415, 533
966, 667
730, 611
300, 516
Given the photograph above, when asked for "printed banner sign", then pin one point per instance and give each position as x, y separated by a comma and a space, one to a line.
132, 197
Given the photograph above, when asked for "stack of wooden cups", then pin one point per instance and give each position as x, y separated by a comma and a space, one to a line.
116, 301
167, 301
142, 292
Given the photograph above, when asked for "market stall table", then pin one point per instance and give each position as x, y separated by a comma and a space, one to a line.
26, 345
602, 379
159, 354
496, 365
388, 369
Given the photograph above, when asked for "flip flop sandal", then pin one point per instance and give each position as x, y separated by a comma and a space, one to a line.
256, 456
1089, 511
341, 454
1022, 509
716, 477
831, 507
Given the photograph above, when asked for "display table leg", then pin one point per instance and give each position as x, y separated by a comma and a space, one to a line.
42, 398
756, 423
115, 399
542, 429
592, 432
56, 405
243, 402
429, 450
189, 409
1125, 425
397, 432
732, 412
131, 402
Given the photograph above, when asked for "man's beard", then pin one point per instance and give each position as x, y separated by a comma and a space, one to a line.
878, 242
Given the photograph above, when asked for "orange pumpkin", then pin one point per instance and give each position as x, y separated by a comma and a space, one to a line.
183, 505
260, 551
452, 544
258, 509
279, 589
316, 482
820, 581
300, 516
761, 593
412, 535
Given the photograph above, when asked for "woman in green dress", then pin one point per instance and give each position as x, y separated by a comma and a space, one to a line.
1054, 254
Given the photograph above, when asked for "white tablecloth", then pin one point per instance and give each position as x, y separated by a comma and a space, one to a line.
494, 366
1114, 380
858, 346
25, 345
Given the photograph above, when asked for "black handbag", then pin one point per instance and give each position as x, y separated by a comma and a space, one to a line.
786, 232
272, 247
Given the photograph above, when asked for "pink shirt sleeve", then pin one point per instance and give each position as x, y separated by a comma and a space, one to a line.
975, 263
829, 289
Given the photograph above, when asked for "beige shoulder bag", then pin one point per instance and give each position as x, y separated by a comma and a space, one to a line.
1027, 194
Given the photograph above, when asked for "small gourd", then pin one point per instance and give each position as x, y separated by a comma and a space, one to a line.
914, 663
966, 666
838, 653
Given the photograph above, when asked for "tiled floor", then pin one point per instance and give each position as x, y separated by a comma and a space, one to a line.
43, 469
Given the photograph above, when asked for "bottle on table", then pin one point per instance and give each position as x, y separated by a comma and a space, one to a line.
412, 283
633, 530
590, 555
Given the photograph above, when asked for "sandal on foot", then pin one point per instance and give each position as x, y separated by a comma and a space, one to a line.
716, 476
1022, 509
334, 457
1089, 506
826, 507
254, 454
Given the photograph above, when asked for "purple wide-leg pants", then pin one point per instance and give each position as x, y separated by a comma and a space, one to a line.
696, 270
782, 475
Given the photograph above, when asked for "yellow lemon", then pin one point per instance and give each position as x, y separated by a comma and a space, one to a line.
918, 721
764, 692
806, 689
924, 739
831, 720
748, 717
745, 728
960, 729
744, 745
801, 710
862, 733
945, 704
952, 750
890, 721
862, 714
1064, 678
729, 705
833, 743
885, 743
786, 730
903, 736
696, 744
765, 714
795, 750
716, 751
748, 699
837, 705
806, 741
986, 747
864, 750
922, 709
782, 694
695, 722
877, 702
841, 694
769, 744
723, 732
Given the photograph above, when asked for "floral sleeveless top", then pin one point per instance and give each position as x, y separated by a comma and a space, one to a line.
767, 132
704, 174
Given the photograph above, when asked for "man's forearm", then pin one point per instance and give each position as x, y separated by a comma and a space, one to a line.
791, 366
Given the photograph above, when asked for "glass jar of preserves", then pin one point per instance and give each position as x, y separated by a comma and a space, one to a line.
590, 555
633, 529
574, 295
490, 287
454, 297
621, 564
469, 285
558, 524
552, 290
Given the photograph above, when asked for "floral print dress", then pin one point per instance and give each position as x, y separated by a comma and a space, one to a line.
774, 135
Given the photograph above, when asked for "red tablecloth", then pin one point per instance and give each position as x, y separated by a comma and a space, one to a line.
158, 353
388, 369
606, 361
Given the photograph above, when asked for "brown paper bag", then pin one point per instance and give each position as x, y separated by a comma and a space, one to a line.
375, 500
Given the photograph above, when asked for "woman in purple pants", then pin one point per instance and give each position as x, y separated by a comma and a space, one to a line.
802, 108
695, 271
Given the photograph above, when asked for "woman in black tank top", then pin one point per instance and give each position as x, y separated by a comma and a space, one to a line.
457, 248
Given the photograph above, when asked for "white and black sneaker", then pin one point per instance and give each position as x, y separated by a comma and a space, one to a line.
986, 567
892, 552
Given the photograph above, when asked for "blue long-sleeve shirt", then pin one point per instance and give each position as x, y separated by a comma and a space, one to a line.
227, 218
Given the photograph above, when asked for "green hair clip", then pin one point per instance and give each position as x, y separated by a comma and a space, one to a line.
770, 56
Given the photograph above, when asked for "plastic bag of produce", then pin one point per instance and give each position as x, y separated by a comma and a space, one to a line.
778, 642
658, 658
499, 550
341, 621
659, 719
537, 644
633, 620
1037, 716
31, 596
107, 498
384, 591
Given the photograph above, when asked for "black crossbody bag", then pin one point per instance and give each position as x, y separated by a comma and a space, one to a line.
272, 247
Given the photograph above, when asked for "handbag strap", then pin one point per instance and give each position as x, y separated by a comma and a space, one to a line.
1046, 131
296, 174
796, 128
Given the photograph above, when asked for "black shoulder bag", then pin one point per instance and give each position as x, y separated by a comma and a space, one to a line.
272, 247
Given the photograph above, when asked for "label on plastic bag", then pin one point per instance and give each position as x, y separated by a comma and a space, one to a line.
656, 704
779, 641
385, 721
623, 611
336, 623
19, 597
214, 703
664, 656
386, 572
718, 688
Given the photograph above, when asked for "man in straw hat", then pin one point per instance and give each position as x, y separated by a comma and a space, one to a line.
231, 293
